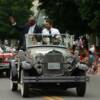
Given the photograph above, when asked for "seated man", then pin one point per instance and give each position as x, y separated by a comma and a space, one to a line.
49, 33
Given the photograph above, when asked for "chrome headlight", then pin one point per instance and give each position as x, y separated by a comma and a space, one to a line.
38, 68
39, 63
69, 63
39, 58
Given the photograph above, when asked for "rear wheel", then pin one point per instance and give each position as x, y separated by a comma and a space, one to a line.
24, 86
14, 86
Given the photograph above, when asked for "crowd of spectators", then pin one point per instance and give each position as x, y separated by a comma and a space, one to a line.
89, 54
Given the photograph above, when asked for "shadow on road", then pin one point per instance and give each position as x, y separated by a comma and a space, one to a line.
42, 93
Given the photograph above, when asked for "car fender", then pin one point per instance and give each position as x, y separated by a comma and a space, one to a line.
13, 68
26, 65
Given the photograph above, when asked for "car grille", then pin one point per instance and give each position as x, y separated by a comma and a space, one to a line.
53, 63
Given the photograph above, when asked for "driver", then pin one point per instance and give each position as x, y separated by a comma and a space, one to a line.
50, 34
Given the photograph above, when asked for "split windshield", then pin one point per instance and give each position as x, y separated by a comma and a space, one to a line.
40, 40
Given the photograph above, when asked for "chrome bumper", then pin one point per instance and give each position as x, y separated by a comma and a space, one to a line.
62, 79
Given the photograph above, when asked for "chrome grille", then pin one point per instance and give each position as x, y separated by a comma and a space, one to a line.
55, 58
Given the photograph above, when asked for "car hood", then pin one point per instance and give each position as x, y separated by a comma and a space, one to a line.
45, 50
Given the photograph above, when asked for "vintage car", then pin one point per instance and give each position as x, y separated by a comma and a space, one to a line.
5, 62
47, 64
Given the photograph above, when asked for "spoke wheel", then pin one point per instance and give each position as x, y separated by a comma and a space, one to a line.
13, 85
24, 86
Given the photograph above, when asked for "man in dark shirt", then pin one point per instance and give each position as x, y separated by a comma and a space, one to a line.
29, 28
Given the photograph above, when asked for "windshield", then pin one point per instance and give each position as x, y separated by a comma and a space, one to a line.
40, 40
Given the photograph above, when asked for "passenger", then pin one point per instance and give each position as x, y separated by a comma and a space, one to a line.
29, 28
49, 33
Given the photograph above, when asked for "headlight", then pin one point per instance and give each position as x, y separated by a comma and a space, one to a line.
69, 63
39, 68
67, 67
39, 58
38, 63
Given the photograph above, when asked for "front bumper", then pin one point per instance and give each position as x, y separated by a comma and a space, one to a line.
4, 66
61, 79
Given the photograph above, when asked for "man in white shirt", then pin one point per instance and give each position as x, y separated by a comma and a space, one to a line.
49, 31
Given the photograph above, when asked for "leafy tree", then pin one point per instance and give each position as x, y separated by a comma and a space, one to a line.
65, 14
79, 16
18, 8
90, 13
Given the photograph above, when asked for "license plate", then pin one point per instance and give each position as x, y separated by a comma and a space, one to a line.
55, 66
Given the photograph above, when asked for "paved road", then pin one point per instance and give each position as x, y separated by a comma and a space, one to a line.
93, 92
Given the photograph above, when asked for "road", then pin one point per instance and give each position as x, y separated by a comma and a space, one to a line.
92, 93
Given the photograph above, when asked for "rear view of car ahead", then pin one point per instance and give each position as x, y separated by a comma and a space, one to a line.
47, 66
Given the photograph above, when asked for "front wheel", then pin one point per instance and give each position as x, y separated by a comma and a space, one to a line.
24, 86
81, 89
81, 86
14, 86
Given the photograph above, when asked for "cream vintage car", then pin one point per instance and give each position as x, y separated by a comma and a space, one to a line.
45, 64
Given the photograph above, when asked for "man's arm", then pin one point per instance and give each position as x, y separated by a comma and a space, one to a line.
13, 22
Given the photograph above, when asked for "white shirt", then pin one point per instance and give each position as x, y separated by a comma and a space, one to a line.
31, 29
54, 31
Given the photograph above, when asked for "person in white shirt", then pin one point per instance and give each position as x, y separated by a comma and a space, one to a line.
49, 33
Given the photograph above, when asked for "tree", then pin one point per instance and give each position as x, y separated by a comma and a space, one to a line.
65, 14
18, 8
90, 13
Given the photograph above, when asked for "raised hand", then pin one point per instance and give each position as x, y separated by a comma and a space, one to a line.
12, 20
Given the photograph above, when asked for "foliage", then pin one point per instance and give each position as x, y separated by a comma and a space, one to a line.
90, 12
65, 14
78, 16
18, 8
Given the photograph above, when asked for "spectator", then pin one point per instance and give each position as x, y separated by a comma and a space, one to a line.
83, 55
81, 42
85, 42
